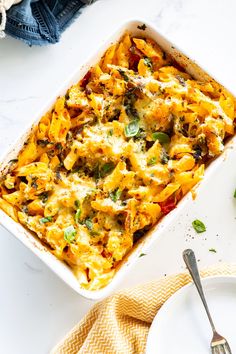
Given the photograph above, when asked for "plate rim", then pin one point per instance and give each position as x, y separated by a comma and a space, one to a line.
178, 294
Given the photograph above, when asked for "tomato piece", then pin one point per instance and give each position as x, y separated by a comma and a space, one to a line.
85, 80
168, 205
134, 57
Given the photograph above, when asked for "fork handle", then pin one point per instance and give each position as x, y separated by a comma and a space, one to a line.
190, 261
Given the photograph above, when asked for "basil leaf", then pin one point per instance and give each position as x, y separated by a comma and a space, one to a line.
142, 255
69, 233
77, 216
89, 224
132, 129
198, 226
45, 220
152, 161
162, 137
106, 168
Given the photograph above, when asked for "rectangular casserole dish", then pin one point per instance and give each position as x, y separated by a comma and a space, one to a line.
32, 242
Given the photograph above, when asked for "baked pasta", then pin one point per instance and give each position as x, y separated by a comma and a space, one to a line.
114, 155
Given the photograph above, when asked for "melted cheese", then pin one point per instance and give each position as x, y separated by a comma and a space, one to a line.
114, 155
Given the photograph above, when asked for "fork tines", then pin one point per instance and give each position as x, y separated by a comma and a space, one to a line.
221, 349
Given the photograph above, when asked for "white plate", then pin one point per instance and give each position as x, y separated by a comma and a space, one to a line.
181, 326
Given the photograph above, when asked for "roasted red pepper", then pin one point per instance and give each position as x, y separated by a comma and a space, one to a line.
134, 57
85, 80
168, 205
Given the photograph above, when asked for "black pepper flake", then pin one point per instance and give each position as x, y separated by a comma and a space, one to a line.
142, 27
42, 142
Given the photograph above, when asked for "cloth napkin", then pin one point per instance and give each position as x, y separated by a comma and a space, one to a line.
120, 323
38, 22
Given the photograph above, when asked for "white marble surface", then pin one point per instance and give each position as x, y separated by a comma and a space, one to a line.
37, 308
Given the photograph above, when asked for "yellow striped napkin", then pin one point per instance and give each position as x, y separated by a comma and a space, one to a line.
120, 323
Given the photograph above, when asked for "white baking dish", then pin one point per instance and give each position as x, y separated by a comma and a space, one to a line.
33, 243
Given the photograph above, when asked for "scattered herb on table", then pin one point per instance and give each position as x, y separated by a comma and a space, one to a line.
213, 250
198, 226
142, 255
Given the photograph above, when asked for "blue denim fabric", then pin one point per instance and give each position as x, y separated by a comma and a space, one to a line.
40, 22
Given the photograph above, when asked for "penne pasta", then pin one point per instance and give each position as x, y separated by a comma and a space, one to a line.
114, 155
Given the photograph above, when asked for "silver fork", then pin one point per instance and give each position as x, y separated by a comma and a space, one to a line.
219, 344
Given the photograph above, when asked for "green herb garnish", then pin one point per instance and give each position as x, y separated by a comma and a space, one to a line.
115, 195
212, 250
69, 233
94, 233
198, 226
148, 62
123, 74
110, 132
235, 193
152, 161
164, 158
77, 215
89, 224
162, 137
45, 220
42, 142
43, 196
132, 129
142, 255
106, 168
77, 203
76, 169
